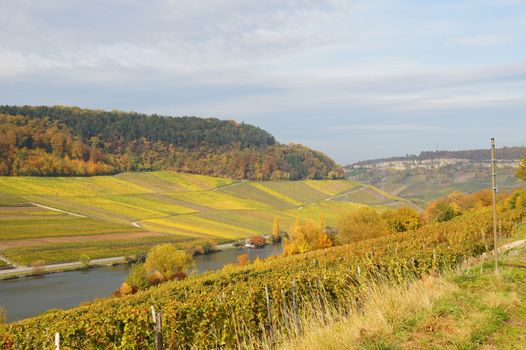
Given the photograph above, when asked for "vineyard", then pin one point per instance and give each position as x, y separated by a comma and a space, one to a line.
104, 216
243, 304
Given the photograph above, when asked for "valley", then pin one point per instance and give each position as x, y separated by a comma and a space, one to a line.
59, 219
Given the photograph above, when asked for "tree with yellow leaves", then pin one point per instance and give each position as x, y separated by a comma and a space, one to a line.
401, 220
361, 224
276, 237
304, 237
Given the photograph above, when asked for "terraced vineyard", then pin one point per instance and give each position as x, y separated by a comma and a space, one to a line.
239, 306
128, 213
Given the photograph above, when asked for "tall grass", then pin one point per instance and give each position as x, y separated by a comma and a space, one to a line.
383, 309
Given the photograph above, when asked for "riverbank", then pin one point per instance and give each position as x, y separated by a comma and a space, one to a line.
32, 271
29, 296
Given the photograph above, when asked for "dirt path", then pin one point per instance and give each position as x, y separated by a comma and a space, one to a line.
231, 185
364, 187
59, 210
511, 245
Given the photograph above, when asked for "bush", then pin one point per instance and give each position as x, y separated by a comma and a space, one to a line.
402, 220
166, 260
137, 277
3, 315
242, 259
258, 241
84, 261
358, 225
306, 237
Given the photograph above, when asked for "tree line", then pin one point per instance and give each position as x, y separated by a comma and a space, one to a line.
69, 141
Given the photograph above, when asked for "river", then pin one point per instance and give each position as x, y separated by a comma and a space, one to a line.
29, 296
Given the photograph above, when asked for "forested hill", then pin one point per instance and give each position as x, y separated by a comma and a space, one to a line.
72, 141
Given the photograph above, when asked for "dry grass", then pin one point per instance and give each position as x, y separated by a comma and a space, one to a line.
383, 310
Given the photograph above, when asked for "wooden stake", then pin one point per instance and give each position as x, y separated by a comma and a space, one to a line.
158, 328
494, 191
285, 315
57, 341
269, 314
294, 303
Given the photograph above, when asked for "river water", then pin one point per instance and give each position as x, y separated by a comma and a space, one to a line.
29, 296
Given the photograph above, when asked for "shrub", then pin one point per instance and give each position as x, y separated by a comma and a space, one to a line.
362, 224
166, 260
137, 277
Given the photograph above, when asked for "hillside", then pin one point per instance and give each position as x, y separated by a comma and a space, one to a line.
126, 214
252, 306
470, 308
69, 141
431, 175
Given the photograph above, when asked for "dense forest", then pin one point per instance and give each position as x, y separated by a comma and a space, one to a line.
69, 141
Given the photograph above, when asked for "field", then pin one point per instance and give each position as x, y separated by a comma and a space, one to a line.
58, 219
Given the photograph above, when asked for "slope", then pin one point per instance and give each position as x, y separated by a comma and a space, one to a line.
130, 212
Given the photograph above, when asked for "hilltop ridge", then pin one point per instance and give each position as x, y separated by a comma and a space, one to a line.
65, 141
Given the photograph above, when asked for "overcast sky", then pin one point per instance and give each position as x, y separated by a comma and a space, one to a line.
354, 79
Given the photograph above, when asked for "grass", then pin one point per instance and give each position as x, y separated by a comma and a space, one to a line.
470, 309
369, 322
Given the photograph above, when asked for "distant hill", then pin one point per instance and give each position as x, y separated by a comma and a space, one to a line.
504, 153
430, 175
52, 141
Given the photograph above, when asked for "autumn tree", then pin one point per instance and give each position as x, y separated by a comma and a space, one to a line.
361, 224
304, 237
276, 237
455, 204
521, 172
166, 260
51, 141
242, 259
138, 277
258, 241
401, 220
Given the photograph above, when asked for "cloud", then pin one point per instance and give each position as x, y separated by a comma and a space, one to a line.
379, 127
303, 69
488, 40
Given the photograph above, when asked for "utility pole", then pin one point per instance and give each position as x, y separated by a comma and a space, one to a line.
494, 191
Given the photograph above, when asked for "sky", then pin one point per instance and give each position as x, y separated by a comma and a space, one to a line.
354, 79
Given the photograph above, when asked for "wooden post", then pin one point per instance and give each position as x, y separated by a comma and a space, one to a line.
285, 314
269, 314
494, 191
57, 341
294, 304
483, 231
158, 328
